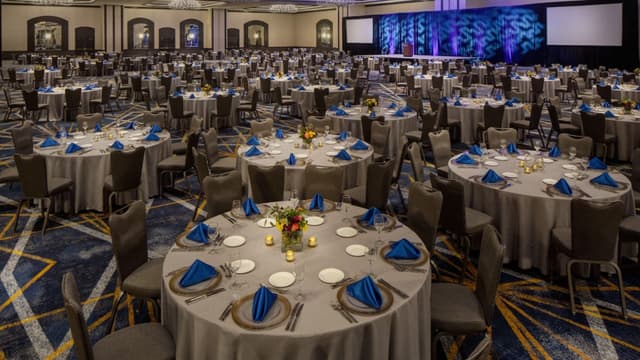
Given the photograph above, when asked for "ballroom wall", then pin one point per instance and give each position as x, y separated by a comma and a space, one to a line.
305, 27
281, 26
169, 18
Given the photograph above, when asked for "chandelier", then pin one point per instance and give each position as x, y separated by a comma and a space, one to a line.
184, 4
283, 8
54, 2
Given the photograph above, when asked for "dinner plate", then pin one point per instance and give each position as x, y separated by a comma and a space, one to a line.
315, 220
510, 175
195, 289
275, 152
547, 160
242, 313
571, 175
234, 241
331, 275
330, 142
491, 163
357, 250
346, 232
246, 266
549, 181
339, 147
332, 153
523, 157
501, 158
569, 167
274, 144
356, 306
288, 141
282, 279
134, 138
301, 156
266, 223
79, 137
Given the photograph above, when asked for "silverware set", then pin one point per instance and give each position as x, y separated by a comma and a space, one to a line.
344, 312
191, 300
341, 282
229, 218
399, 292
405, 268
295, 315
226, 311
226, 269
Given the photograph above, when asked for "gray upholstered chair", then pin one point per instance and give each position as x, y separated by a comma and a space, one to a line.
261, 128
23, 144
150, 118
583, 144
126, 173
629, 232
532, 124
332, 99
376, 191
327, 181
202, 171
216, 163
220, 117
591, 239
496, 135
319, 123
423, 216
219, 201
90, 119
594, 125
138, 275
141, 341
458, 310
177, 163
32, 171
195, 126
441, 149
267, 183
428, 124
249, 108
417, 162
462, 222
558, 127
635, 175
380, 137
492, 118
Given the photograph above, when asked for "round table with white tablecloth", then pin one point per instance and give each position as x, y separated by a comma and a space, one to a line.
623, 92
307, 101
284, 83
153, 82
424, 82
50, 76
341, 75
523, 83
89, 167
202, 105
55, 99
411, 70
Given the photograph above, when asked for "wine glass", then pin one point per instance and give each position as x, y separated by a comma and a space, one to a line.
346, 201
236, 208
326, 131
378, 222
503, 145
301, 268
293, 197
84, 126
234, 263
572, 152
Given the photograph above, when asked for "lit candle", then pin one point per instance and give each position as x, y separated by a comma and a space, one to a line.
527, 170
313, 241
290, 256
268, 240
521, 164
534, 167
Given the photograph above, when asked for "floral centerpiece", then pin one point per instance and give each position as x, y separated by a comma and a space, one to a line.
370, 103
307, 134
291, 223
279, 74
206, 88
628, 105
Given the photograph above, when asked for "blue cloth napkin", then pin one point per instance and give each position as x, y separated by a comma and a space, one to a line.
512, 149
317, 202
609, 114
340, 112
48, 142
584, 107
465, 159
343, 155
474, 96
199, 233
518, 77
596, 164
372, 115
61, 133
342, 136
359, 145
130, 126
198, 272
300, 87
347, 104
216, 89
637, 107
253, 151
616, 87
145, 78
152, 137
366, 291
498, 97
88, 87
173, 75
475, 150
508, 103
638, 88
554, 152
253, 141
552, 77
155, 129
398, 113
491, 177
98, 128
457, 103
392, 106
444, 99
263, 300
292, 159
250, 208
341, 87
117, 145
73, 147
515, 100
279, 134
451, 76
370, 216
404, 250
177, 93
198, 89
192, 96
407, 109
605, 179
231, 91
606, 105
563, 186
347, 86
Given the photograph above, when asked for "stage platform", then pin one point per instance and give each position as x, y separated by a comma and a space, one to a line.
419, 57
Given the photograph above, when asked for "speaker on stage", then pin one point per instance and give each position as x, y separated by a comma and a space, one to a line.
407, 50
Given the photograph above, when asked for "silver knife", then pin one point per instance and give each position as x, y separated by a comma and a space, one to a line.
204, 296
293, 315
226, 311
295, 321
400, 293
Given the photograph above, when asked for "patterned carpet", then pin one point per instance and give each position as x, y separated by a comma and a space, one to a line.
532, 319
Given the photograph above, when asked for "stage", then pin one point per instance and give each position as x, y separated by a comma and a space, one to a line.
419, 57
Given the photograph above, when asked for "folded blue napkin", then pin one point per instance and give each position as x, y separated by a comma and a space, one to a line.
41, 89
198, 89
131, 125
512, 149
392, 106
359, 145
609, 114
574, 68
596, 164
250, 208
475, 150
421, 76
199, 233
347, 86
292, 159
366, 291
372, 115
370, 216
173, 75
407, 109
563, 186
465, 159
638, 88
457, 103
403, 250
61, 133
289, 78
216, 89
263, 300
498, 97
552, 77
279, 134
98, 128
48, 142
616, 87
231, 91
637, 107
177, 93
253, 151
145, 78
347, 104
198, 272
474, 96
88, 87
508, 103
253, 141
155, 129
491, 177
606, 105
300, 87
340, 112
343, 155
444, 99
317, 202
515, 100
192, 96
73, 147
584, 107
605, 179
451, 76
342, 136
117, 145
272, 77
152, 137
554, 152
518, 77
214, 95
341, 87
333, 108
398, 113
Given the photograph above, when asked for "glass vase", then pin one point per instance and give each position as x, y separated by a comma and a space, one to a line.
291, 240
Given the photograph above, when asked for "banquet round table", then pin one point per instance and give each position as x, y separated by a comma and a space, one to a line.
50, 76
399, 124
411, 70
284, 83
424, 82
306, 100
153, 82
202, 105
523, 83
55, 99
89, 167
623, 92
472, 112
277, 151
403, 331
341, 75
523, 212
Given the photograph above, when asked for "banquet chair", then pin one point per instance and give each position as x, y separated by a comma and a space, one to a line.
126, 174
530, 124
492, 117
216, 163
416, 158
557, 127
219, 201
138, 275
90, 119
496, 135
629, 232
267, 183
556, 101
12, 105
365, 123
605, 93
166, 82
635, 175
423, 216
104, 101
428, 125
262, 128
23, 144
38, 78
379, 137
72, 103
441, 149
13, 80
327, 181
138, 90
318, 95
141, 341
36, 184
150, 118
319, 123
411, 86
583, 144
250, 108
201, 166
591, 239
434, 95
281, 103
594, 125
32, 106
332, 99
457, 309
437, 82
375, 193
537, 88
266, 89
415, 103
220, 117
176, 103
177, 163
462, 222
444, 123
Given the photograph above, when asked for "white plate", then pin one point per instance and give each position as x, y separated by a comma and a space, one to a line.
288, 141
571, 175
501, 158
135, 138
246, 266
79, 137
547, 160
570, 167
339, 147
491, 163
276, 152
301, 156
523, 157
274, 145
315, 220
84, 146
549, 181
266, 222
330, 142
234, 241
510, 175
282, 279
331, 275
357, 250
332, 153
347, 232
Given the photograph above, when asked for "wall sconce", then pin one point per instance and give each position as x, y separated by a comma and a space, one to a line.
191, 36
141, 36
255, 35
47, 35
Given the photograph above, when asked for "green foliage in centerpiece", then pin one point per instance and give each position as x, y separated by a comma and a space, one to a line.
291, 223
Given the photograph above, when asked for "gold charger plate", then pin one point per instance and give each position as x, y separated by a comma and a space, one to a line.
577, 193
194, 290
423, 259
478, 179
239, 213
183, 242
358, 307
389, 224
299, 162
621, 187
329, 205
241, 312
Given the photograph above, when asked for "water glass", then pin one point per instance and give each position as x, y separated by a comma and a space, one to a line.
378, 222
346, 201
572, 152
301, 268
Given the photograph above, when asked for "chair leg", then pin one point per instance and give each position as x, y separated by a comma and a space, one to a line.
110, 199
195, 210
114, 310
623, 302
434, 345
15, 226
46, 215
570, 284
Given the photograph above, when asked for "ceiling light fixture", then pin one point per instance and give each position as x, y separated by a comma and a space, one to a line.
185, 4
283, 8
54, 2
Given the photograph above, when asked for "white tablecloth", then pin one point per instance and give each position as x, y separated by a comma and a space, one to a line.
626, 127
202, 105
524, 84
307, 101
472, 113
424, 82
56, 100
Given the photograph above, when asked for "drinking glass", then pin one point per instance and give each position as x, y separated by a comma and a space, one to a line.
84, 126
293, 197
301, 268
378, 223
326, 131
572, 152
503, 145
236, 208
346, 201
234, 263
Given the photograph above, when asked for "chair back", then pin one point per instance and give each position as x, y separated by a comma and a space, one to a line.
38, 75
265, 84
434, 96
262, 128
437, 82
443, 115
136, 83
177, 106
594, 126
537, 85
493, 115
318, 95
506, 84
357, 95
166, 82
220, 201
129, 238
453, 215
211, 145
534, 119
417, 163
23, 138
583, 144
380, 136
223, 105
594, 229
267, 183
75, 315
327, 181
489, 269
365, 121
192, 143
319, 123
126, 169
30, 99
496, 135
379, 177
73, 97
32, 170
90, 119
635, 169
423, 212
150, 118
201, 165
105, 96
428, 125
332, 99
415, 103
604, 92
441, 147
